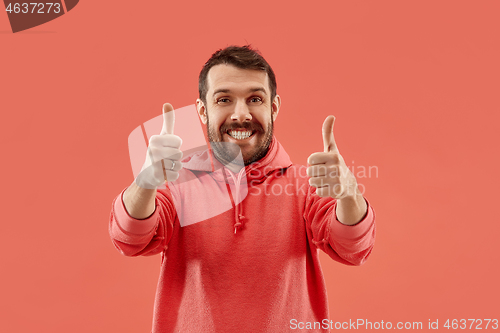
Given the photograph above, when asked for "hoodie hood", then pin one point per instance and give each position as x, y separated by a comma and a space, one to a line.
237, 183
275, 159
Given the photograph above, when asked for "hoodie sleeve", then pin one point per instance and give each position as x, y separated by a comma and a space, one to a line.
348, 244
133, 237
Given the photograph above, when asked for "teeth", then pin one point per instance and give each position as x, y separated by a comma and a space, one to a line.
240, 135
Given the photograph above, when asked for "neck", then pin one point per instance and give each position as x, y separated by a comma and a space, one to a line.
235, 168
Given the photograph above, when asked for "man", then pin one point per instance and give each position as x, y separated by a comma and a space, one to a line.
254, 266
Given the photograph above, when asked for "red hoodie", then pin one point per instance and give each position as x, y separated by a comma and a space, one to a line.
240, 251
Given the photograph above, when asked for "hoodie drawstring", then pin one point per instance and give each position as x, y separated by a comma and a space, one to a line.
237, 216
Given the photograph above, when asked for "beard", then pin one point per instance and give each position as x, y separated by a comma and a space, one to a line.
227, 152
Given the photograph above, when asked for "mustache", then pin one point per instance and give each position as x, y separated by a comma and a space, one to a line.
246, 125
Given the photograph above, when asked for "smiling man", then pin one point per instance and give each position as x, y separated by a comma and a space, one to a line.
246, 99
252, 266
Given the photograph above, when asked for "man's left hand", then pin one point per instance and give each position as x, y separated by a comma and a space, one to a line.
328, 171
332, 178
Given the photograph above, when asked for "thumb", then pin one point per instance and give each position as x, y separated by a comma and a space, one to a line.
168, 119
328, 138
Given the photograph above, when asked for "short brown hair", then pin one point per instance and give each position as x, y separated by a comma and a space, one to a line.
243, 57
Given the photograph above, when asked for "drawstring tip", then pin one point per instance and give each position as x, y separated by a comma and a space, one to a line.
236, 226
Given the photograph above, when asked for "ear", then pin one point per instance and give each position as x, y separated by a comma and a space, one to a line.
276, 107
202, 111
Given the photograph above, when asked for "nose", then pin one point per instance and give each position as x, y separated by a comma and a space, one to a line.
241, 112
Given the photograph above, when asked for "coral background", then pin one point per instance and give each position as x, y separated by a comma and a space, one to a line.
415, 89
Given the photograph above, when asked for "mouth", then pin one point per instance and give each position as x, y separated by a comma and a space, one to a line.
240, 134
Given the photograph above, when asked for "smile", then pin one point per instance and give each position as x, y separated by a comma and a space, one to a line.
239, 135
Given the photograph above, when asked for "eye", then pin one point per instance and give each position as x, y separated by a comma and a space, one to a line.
255, 100
223, 100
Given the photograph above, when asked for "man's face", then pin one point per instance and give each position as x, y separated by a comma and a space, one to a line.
239, 110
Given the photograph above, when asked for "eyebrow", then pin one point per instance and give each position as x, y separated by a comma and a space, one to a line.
224, 90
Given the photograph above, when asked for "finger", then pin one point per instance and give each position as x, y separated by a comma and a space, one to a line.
328, 138
165, 153
164, 171
165, 140
168, 119
172, 175
169, 168
318, 182
173, 169
171, 154
323, 158
335, 191
171, 165
317, 170
323, 192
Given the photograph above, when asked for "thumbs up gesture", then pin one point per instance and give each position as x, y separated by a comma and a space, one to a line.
328, 171
163, 156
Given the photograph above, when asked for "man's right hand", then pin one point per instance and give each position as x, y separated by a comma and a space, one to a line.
163, 155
